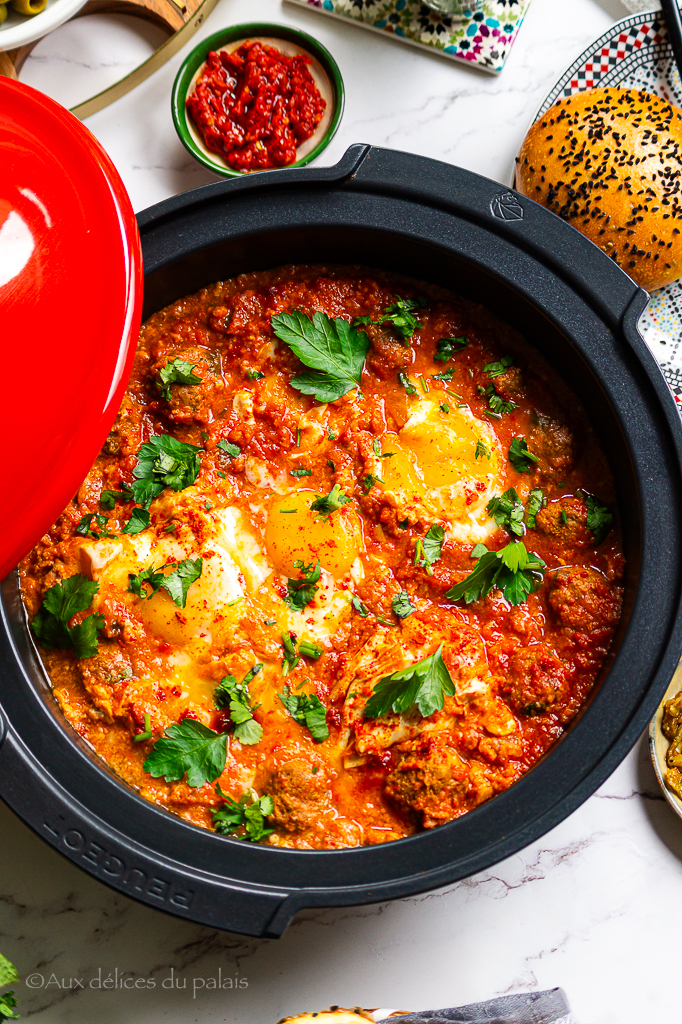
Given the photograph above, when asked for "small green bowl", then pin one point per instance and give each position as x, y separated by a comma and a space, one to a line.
324, 69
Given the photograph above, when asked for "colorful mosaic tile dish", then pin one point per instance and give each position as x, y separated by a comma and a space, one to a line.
482, 36
636, 53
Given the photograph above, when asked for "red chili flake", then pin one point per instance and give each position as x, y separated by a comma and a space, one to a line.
255, 106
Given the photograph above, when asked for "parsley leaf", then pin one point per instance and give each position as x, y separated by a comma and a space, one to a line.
499, 367
233, 450
255, 374
84, 527
60, 603
513, 570
162, 462
300, 472
423, 684
599, 519
139, 521
360, 608
402, 606
176, 583
302, 591
176, 372
536, 501
7, 1004
446, 375
520, 456
482, 450
508, 512
191, 747
108, 499
428, 549
325, 504
332, 347
229, 694
248, 813
406, 383
446, 348
308, 711
369, 481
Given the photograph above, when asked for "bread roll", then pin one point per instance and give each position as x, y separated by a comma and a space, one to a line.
609, 161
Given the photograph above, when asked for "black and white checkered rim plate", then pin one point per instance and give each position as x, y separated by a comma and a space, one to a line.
635, 53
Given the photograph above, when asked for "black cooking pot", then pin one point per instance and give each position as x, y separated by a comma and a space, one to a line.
445, 225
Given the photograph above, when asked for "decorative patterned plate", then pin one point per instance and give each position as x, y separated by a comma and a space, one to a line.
636, 53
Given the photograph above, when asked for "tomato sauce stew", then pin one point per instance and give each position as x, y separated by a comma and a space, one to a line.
347, 566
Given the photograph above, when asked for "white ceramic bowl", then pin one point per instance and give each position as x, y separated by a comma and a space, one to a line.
18, 30
658, 743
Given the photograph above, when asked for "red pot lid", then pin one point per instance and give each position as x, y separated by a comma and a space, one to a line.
70, 307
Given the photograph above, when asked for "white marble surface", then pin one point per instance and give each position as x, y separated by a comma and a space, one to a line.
591, 907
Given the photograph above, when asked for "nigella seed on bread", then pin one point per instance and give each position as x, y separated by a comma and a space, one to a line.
609, 161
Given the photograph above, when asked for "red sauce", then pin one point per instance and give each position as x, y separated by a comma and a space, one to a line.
255, 106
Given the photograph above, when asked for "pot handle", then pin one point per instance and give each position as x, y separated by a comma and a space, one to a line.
506, 213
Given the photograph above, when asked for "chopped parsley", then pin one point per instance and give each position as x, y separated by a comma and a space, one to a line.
369, 481
188, 747
428, 549
176, 372
300, 472
84, 527
498, 405
402, 606
309, 650
536, 501
444, 407
139, 521
175, 583
508, 512
406, 383
482, 450
399, 314
60, 603
142, 737
302, 591
249, 813
308, 711
325, 504
564, 517
233, 450
446, 348
8, 975
424, 685
360, 608
255, 374
599, 519
332, 348
499, 367
162, 462
513, 570
520, 455
291, 658
233, 696
446, 375
108, 499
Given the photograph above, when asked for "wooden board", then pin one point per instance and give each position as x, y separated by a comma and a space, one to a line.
180, 18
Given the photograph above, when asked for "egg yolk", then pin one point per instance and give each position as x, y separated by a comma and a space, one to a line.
444, 447
294, 533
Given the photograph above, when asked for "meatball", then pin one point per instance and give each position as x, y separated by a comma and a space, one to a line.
566, 520
104, 676
553, 442
433, 780
535, 680
188, 403
584, 600
300, 797
510, 384
125, 435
